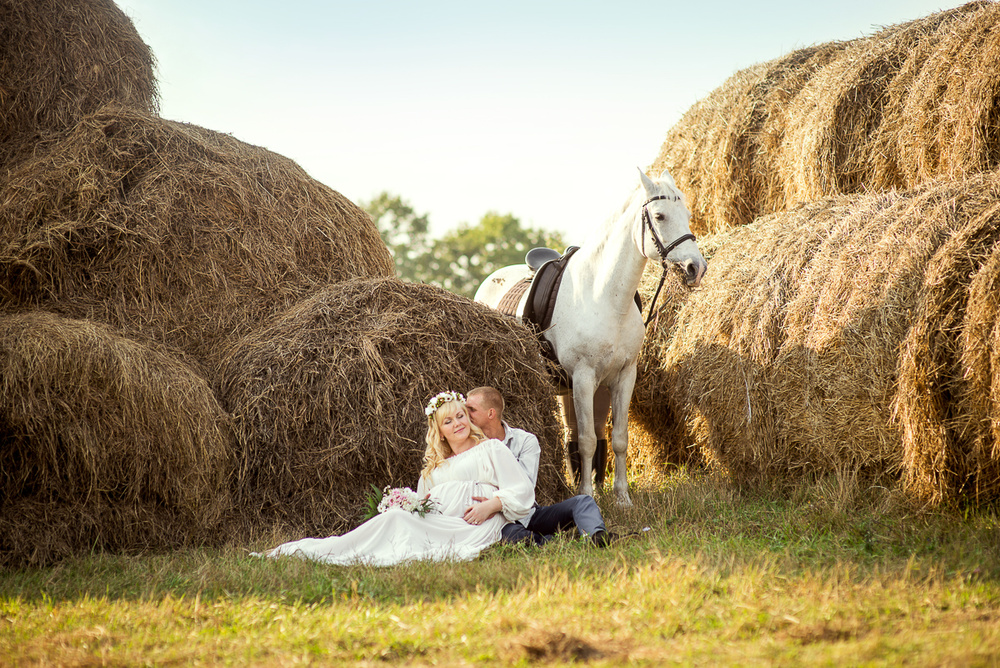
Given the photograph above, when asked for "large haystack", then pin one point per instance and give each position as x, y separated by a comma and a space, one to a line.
104, 443
328, 397
949, 391
61, 60
722, 152
172, 233
831, 338
910, 104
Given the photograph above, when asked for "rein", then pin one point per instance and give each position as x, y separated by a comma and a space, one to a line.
660, 248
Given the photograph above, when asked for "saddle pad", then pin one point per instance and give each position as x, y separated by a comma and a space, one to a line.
511, 300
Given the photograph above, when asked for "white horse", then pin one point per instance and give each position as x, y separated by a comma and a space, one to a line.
597, 330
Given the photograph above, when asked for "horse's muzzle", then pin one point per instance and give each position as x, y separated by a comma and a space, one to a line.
694, 271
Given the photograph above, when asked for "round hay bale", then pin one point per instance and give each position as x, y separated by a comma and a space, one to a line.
834, 121
830, 338
721, 151
892, 149
107, 443
172, 233
328, 397
953, 106
62, 60
947, 394
810, 125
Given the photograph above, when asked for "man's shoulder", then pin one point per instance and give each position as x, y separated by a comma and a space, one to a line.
519, 437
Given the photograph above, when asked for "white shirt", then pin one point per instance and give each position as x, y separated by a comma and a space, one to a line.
524, 446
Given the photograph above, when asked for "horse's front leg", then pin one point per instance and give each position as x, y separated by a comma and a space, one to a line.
621, 397
584, 387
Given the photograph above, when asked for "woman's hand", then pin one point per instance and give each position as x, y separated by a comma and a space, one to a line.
482, 510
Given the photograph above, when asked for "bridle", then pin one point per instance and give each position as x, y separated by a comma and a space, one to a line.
660, 248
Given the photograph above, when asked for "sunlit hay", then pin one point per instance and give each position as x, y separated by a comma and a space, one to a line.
895, 142
952, 108
829, 146
60, 61
172, 233
837, 372
694, 145
107, 443
810, 125
829, 339
722, 151
328, 398
718, 365
948, 396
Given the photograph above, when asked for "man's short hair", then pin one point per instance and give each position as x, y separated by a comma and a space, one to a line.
491, 398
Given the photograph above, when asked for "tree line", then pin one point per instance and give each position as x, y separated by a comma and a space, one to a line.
459, 260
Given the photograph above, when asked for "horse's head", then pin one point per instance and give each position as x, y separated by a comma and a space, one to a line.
663, 233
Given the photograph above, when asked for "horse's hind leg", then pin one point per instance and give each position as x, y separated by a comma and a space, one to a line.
602, 408
572, 436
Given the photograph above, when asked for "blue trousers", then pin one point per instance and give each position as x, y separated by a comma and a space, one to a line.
580, 511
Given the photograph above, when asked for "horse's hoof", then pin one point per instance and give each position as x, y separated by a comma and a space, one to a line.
624, 500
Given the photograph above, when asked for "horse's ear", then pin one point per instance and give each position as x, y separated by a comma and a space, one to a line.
647, 183
666, 176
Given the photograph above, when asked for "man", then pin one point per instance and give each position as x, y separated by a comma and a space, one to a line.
485, 407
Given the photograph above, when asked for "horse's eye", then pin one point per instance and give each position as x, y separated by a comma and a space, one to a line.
659, 217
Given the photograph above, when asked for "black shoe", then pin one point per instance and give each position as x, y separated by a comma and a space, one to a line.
602, 538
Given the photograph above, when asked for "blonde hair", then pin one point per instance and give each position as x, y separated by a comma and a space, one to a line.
438, 448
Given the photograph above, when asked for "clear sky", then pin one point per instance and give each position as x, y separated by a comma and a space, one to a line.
538, 108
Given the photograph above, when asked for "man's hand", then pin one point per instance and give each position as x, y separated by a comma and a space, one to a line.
482, 510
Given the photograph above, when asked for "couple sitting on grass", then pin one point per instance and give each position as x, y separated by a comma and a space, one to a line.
477, 487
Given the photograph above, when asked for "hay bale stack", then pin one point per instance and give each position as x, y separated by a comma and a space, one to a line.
172, 233
830, 145
788, 361
328, 398
62, 60
722, 151
841, 118
106, 443
953, 104
948, 395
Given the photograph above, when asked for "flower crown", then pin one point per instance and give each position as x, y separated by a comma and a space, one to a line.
440, 400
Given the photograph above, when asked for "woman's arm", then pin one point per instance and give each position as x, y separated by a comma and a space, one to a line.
515, 492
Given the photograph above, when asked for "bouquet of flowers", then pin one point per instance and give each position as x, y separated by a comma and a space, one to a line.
396, 497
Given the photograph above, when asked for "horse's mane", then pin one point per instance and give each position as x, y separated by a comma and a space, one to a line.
638, 192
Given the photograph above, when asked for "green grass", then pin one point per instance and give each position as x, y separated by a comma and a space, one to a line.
831, 573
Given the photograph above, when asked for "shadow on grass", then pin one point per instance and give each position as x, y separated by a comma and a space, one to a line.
827, 523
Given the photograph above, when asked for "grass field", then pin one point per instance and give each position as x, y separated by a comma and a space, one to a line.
833, 573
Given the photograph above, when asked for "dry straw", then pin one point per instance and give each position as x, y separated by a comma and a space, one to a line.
912, 103
107, 443
60, 61
172, 233
328, 397
145, 263
842, 336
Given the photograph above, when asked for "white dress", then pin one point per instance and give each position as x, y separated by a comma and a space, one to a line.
395, 536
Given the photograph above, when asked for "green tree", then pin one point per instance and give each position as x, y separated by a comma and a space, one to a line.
404, 232
462, 258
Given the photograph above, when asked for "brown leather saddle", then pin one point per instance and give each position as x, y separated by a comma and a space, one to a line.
532, 300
